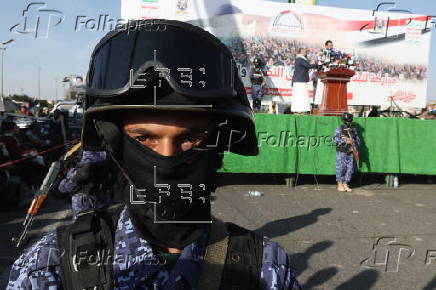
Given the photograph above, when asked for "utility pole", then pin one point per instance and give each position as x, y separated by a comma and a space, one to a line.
39, 80
39, 83
3, 48
56, 88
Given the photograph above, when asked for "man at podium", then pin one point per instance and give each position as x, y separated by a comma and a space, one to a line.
323, 58
328, 48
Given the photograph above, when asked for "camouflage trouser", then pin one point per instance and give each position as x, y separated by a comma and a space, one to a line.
344, 167
256, 95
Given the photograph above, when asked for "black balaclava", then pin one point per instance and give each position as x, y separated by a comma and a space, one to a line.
181, 188
347, 119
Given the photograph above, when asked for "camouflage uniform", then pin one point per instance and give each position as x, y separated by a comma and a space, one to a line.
257, 79
137, 268
344, 160
81, 201
257, 96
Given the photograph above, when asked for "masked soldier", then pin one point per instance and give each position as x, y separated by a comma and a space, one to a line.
165, 110
346, 140
257, 83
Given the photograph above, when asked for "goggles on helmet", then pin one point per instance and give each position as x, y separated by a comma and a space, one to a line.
168, 47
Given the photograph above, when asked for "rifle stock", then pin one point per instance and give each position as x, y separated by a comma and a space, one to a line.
354, 149
39, 200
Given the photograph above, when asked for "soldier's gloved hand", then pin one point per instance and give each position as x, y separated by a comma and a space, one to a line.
92, 172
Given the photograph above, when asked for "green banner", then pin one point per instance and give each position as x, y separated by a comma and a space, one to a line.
304, 144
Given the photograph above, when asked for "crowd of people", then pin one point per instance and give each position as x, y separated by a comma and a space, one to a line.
428, 113
375, 65
277, 52
302, 61
283, 52
20, 177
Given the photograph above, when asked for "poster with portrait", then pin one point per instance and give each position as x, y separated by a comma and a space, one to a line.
391, 49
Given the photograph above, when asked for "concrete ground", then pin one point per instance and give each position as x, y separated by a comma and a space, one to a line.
372, 238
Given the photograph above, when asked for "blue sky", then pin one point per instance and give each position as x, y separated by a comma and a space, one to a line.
66, 51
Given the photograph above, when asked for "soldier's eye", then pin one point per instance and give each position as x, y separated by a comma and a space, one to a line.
145, 138
141, 138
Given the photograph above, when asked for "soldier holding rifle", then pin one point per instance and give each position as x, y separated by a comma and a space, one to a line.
346, 140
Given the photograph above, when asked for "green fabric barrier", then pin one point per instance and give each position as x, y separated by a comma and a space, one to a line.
304, 144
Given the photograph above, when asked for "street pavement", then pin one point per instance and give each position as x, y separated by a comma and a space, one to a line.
372, 238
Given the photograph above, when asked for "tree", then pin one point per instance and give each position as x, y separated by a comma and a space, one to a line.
22, 98
31, 101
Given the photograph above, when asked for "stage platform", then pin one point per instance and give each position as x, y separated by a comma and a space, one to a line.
304, 144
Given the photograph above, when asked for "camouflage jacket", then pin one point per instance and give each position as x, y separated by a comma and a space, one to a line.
39, 268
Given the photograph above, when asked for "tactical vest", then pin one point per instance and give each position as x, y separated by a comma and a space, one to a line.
233, 258
346, 148
257, 76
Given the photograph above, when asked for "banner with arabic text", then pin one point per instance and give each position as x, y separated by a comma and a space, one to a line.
391, 49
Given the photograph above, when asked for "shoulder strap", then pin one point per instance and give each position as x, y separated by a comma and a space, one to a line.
215, 256
233, 258
87, 250
244, 259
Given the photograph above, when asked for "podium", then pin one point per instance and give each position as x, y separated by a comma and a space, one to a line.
334, 99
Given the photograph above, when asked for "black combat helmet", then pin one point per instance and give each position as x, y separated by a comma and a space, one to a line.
347, 117
167, 65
